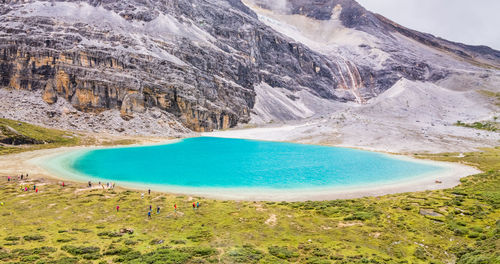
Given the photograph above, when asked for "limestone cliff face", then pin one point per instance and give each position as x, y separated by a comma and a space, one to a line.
197, 60
91, 82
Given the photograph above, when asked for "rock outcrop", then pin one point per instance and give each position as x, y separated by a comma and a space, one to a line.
196, 60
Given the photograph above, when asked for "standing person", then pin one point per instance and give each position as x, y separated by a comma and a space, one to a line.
149, 191
36, 190
90, 184
150, 207
22, 176
175, 207
117, 208
62, 184
194, 206
157, 209
197, 205
8, 179
26, 175
34, 187
149, 214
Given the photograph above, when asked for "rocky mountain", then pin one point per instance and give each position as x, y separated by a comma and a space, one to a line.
159, 67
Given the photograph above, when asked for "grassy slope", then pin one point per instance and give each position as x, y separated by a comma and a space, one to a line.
69, 225
51, 137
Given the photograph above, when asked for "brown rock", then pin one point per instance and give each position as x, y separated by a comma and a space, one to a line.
49, 94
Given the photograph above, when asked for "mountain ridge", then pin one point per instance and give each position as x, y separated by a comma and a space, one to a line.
200, 63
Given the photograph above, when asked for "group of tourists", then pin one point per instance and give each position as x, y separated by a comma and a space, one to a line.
110, 186
21, 177
26, 188
29, 188
196, 205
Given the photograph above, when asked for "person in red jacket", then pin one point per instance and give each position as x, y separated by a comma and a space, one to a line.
117, 208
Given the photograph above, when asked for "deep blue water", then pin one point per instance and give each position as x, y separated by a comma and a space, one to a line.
220, 162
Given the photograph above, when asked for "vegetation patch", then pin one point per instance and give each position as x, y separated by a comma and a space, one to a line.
15, 134
245, 254
80, 250
34, 238
109, 234
283, 252
485, 125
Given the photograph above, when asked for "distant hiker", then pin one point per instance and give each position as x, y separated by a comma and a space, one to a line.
197, 205
194, 205
8, 178
26, 175
157, 210
107, 185
62, 184
36, 190
149, 191
90, 184
175, 207
34, 187
99, 183
149, 214
22, 176
25, 189
150, 207
117, 208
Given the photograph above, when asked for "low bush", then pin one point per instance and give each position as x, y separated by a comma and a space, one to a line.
34, 238
245, 254
198, 251
130, 242
80, 250
162, 255
44, 251
201, 235
117, 251
109, 234
4, 255
282, 252
128, 257
178, 242
361, 216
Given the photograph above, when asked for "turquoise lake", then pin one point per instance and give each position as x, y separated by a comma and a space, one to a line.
238, 163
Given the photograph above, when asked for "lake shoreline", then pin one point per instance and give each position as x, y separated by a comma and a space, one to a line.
34, 164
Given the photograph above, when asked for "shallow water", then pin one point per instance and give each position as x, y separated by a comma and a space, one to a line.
238, 163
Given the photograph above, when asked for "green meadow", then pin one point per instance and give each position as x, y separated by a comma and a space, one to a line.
76, 224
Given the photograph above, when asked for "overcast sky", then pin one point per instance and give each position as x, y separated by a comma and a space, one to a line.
475, 22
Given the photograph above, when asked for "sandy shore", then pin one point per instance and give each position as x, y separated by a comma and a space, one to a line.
35, 163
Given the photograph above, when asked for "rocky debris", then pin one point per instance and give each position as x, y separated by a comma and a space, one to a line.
129, 231
29, 107
429, 212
